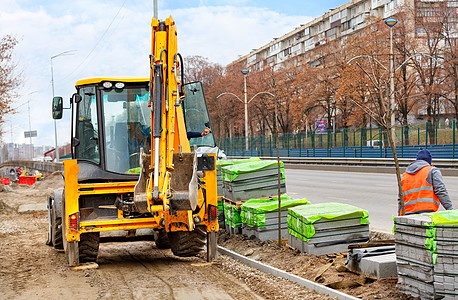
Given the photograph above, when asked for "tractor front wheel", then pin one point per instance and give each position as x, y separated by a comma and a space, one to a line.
188, 243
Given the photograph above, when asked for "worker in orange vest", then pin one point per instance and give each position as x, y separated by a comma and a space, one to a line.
423, 188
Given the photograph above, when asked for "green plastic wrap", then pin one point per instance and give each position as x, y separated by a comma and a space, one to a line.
447, 217
221, 205
301, 218
254, 210
228, 162
232, 215
231, 172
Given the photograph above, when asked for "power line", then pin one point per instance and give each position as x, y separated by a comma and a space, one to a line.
97, 43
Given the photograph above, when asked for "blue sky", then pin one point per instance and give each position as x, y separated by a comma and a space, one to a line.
112, 38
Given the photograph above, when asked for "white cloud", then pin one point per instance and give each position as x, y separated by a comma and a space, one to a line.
220, 33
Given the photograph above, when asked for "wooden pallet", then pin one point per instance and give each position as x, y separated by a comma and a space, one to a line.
237, 204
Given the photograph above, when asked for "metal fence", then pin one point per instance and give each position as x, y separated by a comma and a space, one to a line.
367, 142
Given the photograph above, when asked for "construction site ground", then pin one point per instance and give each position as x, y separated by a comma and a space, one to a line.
132, 270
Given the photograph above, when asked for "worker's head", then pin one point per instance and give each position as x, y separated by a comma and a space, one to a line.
425, 155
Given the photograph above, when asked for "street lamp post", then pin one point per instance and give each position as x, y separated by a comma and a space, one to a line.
390, 22
245, 73
69, 52
246, 108
30, 125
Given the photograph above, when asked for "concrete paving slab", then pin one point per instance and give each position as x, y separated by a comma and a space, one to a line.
31, 208
381, 266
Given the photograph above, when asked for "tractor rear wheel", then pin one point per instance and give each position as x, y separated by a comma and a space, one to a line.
162, 239
49, 237
56, 232
89, 246
188, 243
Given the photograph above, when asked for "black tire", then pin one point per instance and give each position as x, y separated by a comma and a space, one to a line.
188, 243
89, 247
50, 225
56, 233
162, 240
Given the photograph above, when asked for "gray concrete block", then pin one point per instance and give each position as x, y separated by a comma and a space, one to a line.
324, 224
413, 253
262, 192
416, 288
295, 242
324, 236
449, 287
267, 172
313, 249
268, 233
418, 220
415, 270
271, 234
234, 230
381, 266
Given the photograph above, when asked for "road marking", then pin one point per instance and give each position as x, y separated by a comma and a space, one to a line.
336, 198
453, 190
337, 181
379, 184
292, 193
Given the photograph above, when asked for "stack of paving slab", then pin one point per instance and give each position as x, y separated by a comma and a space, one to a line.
232, 218
221, 213
260, 216
427, 254
221, 222
252, 180
327, 228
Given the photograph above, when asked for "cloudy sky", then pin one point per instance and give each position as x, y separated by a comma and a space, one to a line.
112, 38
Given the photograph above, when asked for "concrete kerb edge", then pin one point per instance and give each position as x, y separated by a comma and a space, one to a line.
282, 274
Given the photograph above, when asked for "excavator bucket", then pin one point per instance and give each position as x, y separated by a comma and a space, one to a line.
184, 184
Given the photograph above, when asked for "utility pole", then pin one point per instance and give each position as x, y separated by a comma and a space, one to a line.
245, 73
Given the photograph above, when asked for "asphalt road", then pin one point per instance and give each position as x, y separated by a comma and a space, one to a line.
374, 192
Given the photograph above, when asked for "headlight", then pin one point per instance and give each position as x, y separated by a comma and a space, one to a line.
119, 85
107, 84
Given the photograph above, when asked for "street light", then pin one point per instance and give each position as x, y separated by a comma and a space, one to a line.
245, 73
69, 52
30, 124
390, 22
246, 108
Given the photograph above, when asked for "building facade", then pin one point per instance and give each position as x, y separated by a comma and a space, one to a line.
335, 24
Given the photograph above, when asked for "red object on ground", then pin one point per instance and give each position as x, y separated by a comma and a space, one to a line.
5, 181
29, 180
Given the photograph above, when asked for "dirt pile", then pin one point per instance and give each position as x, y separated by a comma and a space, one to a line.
53, 182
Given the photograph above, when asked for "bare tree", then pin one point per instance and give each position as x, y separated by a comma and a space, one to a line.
9, 77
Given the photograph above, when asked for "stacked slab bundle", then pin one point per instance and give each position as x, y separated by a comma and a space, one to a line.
229, 162
219, 165
414, 262
232, 218
221, 217
252, 180
260, 216
327, 228
427, 254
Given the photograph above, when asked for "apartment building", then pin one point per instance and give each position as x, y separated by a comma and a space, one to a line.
335, 24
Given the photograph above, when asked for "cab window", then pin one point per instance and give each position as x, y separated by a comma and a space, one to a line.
87, 126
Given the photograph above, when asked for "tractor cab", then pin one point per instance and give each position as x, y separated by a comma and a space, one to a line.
111, 121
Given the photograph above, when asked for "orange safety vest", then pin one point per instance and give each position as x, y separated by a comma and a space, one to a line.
418, 195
